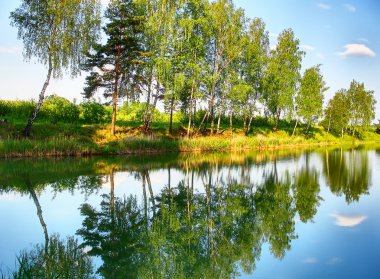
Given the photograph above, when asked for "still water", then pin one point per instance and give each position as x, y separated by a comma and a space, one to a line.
267, 214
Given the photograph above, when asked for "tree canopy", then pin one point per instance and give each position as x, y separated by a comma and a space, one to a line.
57, 33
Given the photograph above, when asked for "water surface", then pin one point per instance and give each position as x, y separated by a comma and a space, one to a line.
267, 214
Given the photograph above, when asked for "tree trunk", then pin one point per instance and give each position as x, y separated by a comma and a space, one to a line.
328, 128
277, 119
307, 128
249, 124
219, 117
112, 211
151, 114
150, 191
26, 131
171, 116
203, 119
295, 126
212, 113
231, 122
147, 103
245, 122
39, 214
145, 200
213, 86
195, 113
115, 90
190, 108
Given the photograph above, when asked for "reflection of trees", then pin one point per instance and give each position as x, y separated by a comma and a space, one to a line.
348, 173
276, 211
306, 189
55, 258
209, 233
211, 224
62, 259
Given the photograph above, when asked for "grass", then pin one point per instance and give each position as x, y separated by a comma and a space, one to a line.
65, 139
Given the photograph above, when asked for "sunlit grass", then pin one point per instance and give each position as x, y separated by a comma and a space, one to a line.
74, 139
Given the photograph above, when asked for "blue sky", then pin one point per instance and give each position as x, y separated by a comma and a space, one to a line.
341, 35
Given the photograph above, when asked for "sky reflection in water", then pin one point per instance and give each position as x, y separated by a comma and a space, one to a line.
273, 214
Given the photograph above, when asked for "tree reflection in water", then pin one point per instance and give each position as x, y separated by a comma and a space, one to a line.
210, 233
211, 223
348, 173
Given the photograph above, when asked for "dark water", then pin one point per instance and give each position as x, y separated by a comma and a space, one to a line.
268, 214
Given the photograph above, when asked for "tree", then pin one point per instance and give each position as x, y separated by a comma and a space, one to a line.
193, 26
57, 33
337, 112
112, 64
309, 100
226, 26
254, 63
282, 75
361, 105
157, 40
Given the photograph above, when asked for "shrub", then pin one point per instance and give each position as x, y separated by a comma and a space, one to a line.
16, 109
133, 111
59, 109
93, 113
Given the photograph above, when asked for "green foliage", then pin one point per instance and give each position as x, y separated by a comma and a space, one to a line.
354, 172
133, 111
64, 259
361, 105
309, 100
352, 109
58, 109
57, 33
282, 74
93, 113
16, 109
337, 113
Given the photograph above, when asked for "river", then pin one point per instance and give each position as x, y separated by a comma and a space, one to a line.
263, 214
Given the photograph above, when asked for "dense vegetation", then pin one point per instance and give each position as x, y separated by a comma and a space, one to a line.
209, 66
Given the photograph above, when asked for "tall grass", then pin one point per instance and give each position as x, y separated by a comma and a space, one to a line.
49, 147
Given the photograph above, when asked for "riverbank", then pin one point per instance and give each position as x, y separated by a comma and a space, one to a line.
87, 140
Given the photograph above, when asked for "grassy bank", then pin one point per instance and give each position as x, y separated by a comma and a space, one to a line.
62, 139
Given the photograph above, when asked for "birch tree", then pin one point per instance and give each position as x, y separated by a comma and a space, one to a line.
57, 33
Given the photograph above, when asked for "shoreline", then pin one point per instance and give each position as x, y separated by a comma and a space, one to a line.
32, 148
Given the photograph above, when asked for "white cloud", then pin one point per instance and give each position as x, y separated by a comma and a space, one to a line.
335, 261
320, 55
364, 40
349, 7
323, 6
307, 47
9, 50
356, 50
347, 220
310, 260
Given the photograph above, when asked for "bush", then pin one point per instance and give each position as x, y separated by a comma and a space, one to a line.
16, 109
132, 112
59, 109
94, 113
